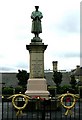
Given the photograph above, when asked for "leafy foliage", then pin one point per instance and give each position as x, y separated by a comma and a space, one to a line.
7, 91
73, 82
57, 78
22, 76
18, 89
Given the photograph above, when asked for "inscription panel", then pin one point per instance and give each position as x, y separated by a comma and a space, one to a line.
37, 65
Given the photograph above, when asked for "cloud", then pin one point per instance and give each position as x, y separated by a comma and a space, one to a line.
7, 69
69, 23
60, 26
72, 55
15, 68
22, 65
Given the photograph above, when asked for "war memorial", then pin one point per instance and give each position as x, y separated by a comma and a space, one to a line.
36, 103
36, 85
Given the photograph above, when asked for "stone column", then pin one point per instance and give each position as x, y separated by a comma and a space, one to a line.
36, 60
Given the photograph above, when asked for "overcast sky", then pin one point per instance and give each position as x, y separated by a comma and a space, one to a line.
60, 31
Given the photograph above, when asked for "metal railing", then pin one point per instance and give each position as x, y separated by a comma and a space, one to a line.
41, 109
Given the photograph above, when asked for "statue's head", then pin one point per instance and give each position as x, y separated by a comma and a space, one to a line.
36, 7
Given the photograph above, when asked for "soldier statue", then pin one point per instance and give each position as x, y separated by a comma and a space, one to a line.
36, 22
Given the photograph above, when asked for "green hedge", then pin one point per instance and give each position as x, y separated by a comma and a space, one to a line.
61, 90
7, 91
18, 89
51, 89
11, 90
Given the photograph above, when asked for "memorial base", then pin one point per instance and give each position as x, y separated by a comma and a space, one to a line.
37, 87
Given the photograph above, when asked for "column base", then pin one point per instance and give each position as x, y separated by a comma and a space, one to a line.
37, 87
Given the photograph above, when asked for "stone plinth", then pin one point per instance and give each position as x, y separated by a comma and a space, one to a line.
37, 87
36, 84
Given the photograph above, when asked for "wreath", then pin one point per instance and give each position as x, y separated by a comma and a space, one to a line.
14, 97
68, 107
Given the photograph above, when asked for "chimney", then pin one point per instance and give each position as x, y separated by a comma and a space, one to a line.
77, 71
78, 66
55, 66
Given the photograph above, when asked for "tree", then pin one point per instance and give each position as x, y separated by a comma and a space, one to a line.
57, 78
73, 82
22, 76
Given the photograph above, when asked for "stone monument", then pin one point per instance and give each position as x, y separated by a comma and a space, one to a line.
36, 85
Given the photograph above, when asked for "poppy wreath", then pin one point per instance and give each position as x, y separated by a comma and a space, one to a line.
14, 97
68, 107
62, 101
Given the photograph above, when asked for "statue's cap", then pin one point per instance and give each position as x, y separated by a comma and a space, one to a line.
36, 7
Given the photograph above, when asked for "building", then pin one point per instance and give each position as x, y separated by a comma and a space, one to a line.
77, 72
9, 80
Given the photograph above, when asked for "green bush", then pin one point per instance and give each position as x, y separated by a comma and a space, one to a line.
18, 89
65, 88
7, 91
51, 89
59, 89
11, 90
